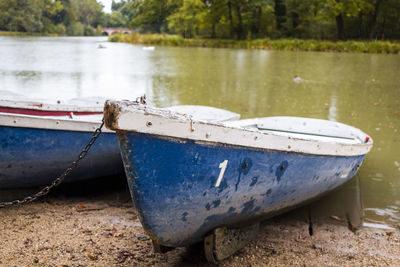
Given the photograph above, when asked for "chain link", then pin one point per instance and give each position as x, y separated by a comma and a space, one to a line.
59, 179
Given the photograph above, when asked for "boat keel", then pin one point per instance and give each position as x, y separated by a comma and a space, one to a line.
224, 242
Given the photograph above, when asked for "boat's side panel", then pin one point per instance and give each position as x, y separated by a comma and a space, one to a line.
184, 189
32, 157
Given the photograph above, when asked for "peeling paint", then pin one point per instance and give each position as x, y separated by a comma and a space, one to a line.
280, 170
216, 203
184, 216
269, 191
254, 181
222, 186
248, 206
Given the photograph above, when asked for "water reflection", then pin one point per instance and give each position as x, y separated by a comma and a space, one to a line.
357, 89
64, 68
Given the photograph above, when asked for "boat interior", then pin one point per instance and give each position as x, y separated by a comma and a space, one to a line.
304, 128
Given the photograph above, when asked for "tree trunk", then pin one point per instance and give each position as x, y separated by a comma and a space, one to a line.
295, 20
383, 29
259, 20
256, 25
360, 26
213, 35
240, 26
373, 19
340, 27
230, 19
280, 14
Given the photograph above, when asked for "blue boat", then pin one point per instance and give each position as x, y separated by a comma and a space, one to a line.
37, 149
188, 177
39, 141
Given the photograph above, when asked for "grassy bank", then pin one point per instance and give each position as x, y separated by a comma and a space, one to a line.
387, 47
5, 33
27, 34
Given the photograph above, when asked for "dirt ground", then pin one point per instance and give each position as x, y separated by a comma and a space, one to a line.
100, 227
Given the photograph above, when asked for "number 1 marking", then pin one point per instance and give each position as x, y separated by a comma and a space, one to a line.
222, 166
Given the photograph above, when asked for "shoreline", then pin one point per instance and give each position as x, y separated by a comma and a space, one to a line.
100, 227
350, 46
26, 34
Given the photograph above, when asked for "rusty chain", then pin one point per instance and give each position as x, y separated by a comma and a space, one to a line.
59, 179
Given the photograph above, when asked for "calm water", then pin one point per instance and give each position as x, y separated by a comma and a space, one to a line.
362, 90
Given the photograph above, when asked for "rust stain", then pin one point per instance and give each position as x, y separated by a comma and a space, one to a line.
37, 105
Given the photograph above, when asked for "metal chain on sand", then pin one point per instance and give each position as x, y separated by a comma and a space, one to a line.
59, 179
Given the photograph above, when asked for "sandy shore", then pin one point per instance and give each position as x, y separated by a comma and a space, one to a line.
100, 227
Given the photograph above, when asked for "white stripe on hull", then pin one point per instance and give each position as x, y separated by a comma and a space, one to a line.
83, 123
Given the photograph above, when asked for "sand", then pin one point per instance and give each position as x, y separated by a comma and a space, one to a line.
100, 227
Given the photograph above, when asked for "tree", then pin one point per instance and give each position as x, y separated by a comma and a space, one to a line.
88, 12
212, 14
345, 8
187, 18
50, 16
116, 6
117, 19
24, 16
152, 14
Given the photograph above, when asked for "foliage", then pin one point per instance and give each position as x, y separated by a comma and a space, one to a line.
215, 19
187, 18
75, 29
282, 44
73, 17
88, 12
151, 15
117, 19
235, 19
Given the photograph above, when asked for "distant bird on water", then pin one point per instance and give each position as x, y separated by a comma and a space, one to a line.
297, 79
150, 48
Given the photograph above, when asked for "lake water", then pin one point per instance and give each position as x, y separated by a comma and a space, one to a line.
362, 90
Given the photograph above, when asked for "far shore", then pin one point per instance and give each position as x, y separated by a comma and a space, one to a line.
352, 46
38, 34
356, 46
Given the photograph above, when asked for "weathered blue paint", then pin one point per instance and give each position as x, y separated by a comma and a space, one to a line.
33, 157
172, 183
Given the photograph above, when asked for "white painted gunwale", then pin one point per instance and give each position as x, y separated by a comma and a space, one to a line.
143, 119
89, 123
82, 123
36, 105
205, 113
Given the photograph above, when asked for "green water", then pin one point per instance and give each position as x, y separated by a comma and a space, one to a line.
362, 90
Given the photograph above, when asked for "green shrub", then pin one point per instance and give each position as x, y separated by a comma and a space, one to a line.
115, 38
89, 30
75, 29
60, 29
